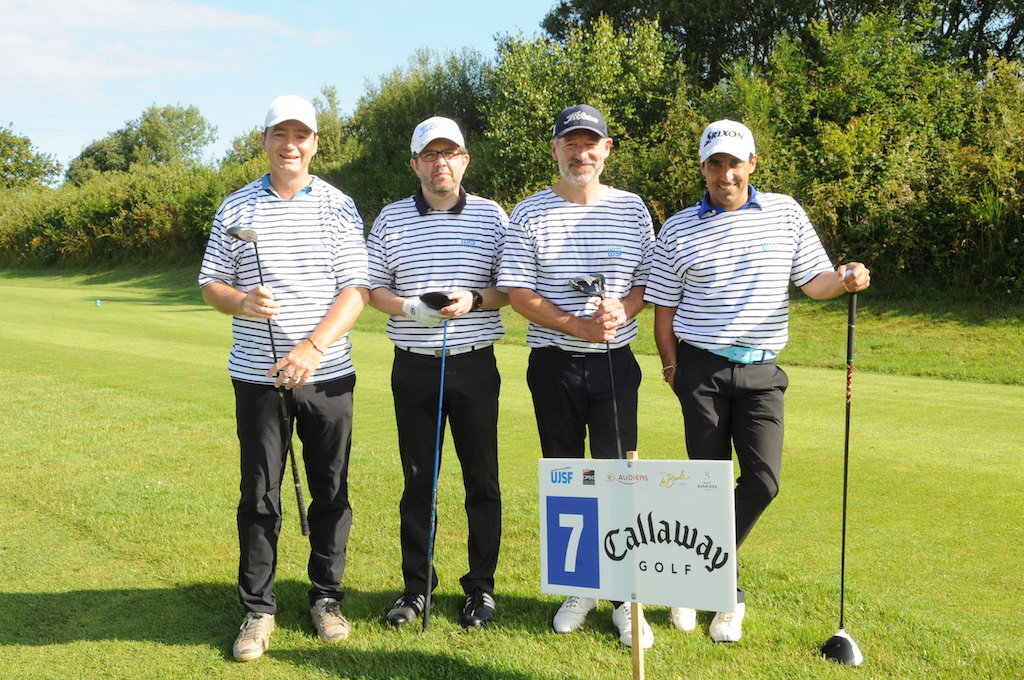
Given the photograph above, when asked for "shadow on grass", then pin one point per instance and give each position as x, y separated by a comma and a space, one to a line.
167, 283
208, 614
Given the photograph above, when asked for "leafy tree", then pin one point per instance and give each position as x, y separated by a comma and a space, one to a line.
160, 136
710, 34
631, 77
376, 169
21, 166
244, 148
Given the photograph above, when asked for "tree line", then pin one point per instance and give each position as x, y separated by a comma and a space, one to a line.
904, 140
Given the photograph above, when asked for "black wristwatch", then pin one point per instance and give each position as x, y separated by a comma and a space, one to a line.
478, 299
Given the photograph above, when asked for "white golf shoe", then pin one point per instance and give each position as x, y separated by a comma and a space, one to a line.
254, 636
728, 627
572, 613
622, 618
683, 618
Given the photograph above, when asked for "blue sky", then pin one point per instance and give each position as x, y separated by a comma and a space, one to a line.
76, 70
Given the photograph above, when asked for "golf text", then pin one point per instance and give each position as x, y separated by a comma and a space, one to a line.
618, 542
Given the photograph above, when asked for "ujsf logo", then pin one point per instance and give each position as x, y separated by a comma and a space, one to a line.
561, 476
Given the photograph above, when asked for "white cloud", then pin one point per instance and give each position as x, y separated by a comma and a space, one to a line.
134, 16
78, 47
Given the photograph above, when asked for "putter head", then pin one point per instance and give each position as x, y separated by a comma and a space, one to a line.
242, 234
436, 300
842, 649
589, 284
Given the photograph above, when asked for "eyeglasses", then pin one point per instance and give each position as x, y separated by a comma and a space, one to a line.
447, 154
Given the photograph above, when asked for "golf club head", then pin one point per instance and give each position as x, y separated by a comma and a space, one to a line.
436, 300
842, 649
590, 284
242, 234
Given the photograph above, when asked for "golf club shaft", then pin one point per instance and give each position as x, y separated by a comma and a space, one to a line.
850, 331
296, 480
437, 468
615, 399
285, 424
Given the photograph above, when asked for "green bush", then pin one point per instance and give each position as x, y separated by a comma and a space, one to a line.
903, 159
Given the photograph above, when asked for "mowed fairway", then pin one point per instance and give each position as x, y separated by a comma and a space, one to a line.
118, 465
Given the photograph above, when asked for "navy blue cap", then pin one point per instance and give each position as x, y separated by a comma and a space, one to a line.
579, 117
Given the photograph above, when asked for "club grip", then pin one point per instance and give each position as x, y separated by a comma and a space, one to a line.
851, 327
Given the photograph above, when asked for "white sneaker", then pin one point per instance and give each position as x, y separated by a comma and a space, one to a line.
254, 636
328, 621
622, 618
726, 627
572, 613
683, 618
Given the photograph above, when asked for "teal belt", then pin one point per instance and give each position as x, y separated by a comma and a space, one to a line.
745, 355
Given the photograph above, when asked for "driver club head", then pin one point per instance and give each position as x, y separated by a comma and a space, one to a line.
590, 284
246, 234
842, 649
436, 300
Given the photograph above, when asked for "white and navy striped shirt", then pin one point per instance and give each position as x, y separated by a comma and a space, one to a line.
727, 273
310, 248
414, 250
552, 240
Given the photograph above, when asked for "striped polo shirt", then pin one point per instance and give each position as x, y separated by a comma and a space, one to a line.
552, 240
727, 273
310, 249
414, 249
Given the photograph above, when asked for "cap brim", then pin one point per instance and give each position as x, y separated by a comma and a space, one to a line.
600, 133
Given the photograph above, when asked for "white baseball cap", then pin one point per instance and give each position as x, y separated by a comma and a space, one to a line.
727, 136
435, 128
291, 107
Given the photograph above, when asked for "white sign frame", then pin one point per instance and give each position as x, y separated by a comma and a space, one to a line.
650, 531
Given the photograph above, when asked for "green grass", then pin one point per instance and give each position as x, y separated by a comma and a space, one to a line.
118, 465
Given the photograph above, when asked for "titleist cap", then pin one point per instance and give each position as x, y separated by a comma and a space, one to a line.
436, 128
579, 117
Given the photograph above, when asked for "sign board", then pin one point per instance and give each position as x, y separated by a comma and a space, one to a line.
651, 531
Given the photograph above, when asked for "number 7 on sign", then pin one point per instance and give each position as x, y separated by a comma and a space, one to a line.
575, 525
573, 548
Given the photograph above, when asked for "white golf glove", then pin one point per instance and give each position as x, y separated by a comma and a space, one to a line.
422, 313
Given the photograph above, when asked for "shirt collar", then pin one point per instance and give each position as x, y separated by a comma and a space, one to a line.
705, 209
301, 192
424, 208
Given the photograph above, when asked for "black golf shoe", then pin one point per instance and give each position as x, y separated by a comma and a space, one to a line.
478, 610
406, 609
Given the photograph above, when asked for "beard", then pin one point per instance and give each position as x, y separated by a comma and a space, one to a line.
442, 186
580, 174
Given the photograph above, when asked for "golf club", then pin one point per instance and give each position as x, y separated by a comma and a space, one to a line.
435, 300
840, 647
593, 285
249, 235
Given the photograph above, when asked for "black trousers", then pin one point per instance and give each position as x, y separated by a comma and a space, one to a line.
728, 405
572, 394
470, 407
321, 414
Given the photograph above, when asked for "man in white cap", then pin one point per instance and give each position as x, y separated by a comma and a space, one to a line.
582, 373
443, 240
720, 285
293, 303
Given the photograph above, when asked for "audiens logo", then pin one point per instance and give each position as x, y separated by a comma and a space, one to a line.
561, 476
627, 479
